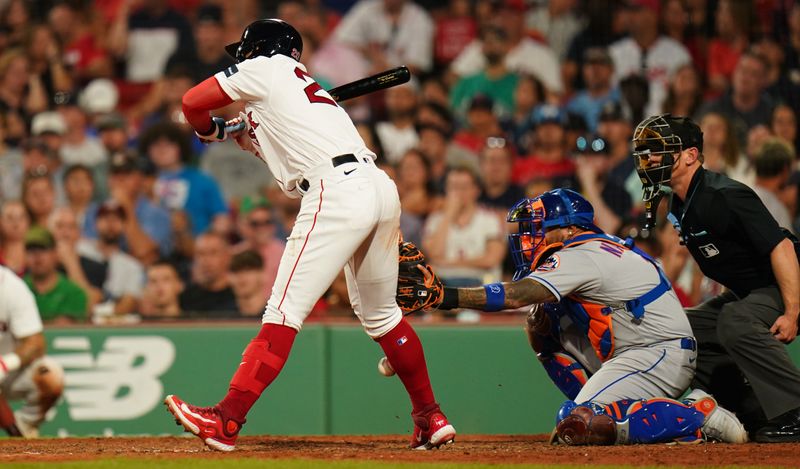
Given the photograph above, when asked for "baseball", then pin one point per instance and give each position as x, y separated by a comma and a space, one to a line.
385, 368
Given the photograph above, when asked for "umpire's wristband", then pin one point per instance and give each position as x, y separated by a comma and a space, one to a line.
449, 298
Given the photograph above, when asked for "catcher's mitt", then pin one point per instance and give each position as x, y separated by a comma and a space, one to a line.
416, 289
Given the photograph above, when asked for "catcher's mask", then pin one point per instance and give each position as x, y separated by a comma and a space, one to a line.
557, 208
267, 37
656, 141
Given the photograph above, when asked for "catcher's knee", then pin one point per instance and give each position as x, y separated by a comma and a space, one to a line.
585, 424
48, 377
566, 372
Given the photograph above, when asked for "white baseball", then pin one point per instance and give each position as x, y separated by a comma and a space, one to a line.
385, 368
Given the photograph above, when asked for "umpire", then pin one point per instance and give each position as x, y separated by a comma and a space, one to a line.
741, 333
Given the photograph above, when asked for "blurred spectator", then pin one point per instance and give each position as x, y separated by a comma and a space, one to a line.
389, 33
464, 242
557, 22
179, 187
397, 134
236, 172
646, 52
441, 153
597, 72
209, 36
210, 289
247, 281
49, 128
497, 165
746, 104
79, 190
124, 280
685, 93
414, 186
527, 96
435, 114
16, 20
482, 123
733, 20
84, 272
721, 150
611, 202
163, 101
616, 129
147, 38
756, 137
454, 31
112, 129
523, 54
22, 93
258, 229
792, 49
11, 169
773, 164
494, 81
675, 22
14, 224
784, 123
78, 146
146, 226
46, 61
161, 291
83, 55
548, 158
39, 197
57, 297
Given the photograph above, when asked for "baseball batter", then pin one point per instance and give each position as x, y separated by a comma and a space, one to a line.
613, 338
349, 218
25, 372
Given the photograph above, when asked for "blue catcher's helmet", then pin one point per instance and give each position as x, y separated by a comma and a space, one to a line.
557, 208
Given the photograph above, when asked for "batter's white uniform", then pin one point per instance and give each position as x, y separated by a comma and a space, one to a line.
651, 358
350, 214
19, 318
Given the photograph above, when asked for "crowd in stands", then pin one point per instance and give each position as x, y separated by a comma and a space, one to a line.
112, 209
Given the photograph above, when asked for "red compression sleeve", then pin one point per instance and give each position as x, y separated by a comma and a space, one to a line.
204, 97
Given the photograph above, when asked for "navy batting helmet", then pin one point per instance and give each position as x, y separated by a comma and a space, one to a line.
267, 38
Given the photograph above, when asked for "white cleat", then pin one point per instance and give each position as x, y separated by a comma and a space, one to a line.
720, 424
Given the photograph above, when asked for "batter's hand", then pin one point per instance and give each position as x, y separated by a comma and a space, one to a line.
220, 130
237, 128
785, 328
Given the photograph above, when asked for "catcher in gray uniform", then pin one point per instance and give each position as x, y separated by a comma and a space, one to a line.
605, 323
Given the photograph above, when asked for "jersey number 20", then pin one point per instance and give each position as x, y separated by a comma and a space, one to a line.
312, 89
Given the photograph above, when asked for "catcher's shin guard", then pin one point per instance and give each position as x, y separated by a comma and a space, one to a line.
654, 420
566, 372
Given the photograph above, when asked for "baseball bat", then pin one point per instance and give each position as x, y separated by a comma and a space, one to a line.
379, 81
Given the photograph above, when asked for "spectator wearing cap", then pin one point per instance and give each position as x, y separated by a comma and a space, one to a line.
773, 165
548, 158
147, 37
494, 81
259, 231
482, 123
648, 53
161, 295
112, 129
612, 203
210, 290
180, 188
746, 104
124, 280
78, 146
82, 53
147, 233
557, 22
616, 130
463, 241
397, 134
497, 166
524, 54
14, 224
57, 297
247, 281
598, 69
389, 33
79, 189
49, 127
209, 58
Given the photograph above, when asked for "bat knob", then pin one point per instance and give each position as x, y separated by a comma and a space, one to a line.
233, 128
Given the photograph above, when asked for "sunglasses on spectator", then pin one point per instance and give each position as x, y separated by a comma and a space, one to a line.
255, 223
495, 142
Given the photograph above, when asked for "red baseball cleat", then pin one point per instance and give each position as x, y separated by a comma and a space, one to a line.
431, 429
206, 422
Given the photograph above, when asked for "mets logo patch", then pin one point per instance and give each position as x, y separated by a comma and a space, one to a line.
551, 263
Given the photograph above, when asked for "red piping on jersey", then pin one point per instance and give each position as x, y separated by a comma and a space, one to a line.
313, 224
198, 101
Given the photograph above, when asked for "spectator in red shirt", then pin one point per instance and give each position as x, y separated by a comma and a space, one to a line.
481, 124
454, 31
733, 30
548, 159
83, 55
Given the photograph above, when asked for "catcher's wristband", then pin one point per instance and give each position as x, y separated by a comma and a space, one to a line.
449, 298
495, 297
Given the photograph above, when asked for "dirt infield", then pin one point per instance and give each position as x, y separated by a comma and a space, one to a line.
471, 448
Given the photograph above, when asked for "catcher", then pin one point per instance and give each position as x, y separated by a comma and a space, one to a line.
605, 324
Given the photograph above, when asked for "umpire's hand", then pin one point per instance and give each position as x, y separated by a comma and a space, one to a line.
785, 328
